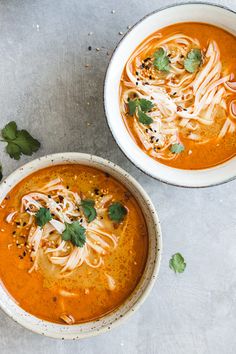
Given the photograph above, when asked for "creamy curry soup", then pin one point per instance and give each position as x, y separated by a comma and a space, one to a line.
73, 243
178, 95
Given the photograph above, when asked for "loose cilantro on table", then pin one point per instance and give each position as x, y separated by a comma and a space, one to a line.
117, 212
141, 106
43, 216
75, 233
161, 60
88, 209
193, 60
18, 141
177, 263
176, 148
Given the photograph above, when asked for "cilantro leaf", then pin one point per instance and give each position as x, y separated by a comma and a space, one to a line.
133, 104
0, 172
75, 233
19, 141
88, 209
142, 103
161, 60
145, 105
9, 131
117, 212
43, 216
193, 60
176, 148
177, 263
144, 118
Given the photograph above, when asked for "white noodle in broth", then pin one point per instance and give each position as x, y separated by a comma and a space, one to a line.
184, 103
64, 205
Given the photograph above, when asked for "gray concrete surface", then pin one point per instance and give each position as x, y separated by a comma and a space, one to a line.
47, 88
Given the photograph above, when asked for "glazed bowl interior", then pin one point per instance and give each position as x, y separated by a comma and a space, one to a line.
204, 13
154, 250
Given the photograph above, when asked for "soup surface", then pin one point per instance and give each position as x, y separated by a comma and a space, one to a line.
178, 95
73, 243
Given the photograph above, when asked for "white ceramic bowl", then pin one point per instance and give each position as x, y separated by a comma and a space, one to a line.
191, 12
153, 261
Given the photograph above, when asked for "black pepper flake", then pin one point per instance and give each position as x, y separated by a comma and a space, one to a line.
21, 257
67, 187
150, 77
146, 130
143, 66
24, 223
49, 196
18, 223
145, 60
136, 83
173, 94
96, 191
90, 48
137, 73
14, 232
24, 254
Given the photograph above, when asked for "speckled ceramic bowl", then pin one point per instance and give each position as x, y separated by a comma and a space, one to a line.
190, 12
152, 266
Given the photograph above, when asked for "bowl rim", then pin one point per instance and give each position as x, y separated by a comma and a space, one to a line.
106, 77
57, 330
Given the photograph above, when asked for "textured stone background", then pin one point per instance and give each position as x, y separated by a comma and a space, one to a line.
46, 88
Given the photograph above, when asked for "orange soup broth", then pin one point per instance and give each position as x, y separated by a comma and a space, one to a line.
38, 292
216, 151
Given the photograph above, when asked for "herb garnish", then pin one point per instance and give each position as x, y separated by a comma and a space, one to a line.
19, 141
43, 216
117, 212
161, 60
193, 60
176, 148
88, 209
75, 233
141, 106
177, 263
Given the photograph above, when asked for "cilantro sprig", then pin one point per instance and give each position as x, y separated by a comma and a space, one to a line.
161, 60
88, 209
117, 212
177, 263
193, 60
18, 141
75, 233
141, 107
176, 148
43, 216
